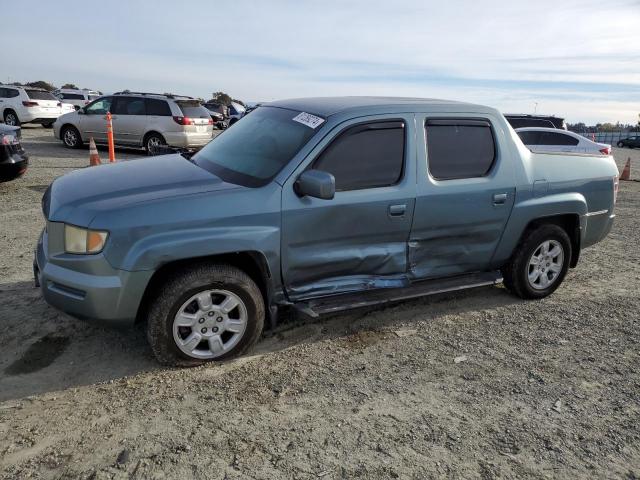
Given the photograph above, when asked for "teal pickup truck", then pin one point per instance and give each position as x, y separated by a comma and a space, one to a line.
320, 205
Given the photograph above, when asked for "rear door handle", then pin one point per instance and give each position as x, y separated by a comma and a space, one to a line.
499, 198
397, 210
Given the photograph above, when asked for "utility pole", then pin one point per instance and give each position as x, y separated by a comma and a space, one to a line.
535, 108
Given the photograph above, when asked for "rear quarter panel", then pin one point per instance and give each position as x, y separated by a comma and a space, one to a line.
550, 184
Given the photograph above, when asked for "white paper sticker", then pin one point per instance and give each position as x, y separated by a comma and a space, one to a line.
307, 119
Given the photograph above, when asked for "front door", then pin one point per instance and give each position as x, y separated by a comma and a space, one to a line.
357, 240
93, 122
466, 191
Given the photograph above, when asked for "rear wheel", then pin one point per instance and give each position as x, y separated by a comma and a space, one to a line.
152, 142
620, 144
205, 313
539, 263
48, 125
11, 118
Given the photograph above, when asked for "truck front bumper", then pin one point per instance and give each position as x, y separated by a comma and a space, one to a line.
87, 287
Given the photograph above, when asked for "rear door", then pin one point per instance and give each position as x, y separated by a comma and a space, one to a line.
129, 117
357, 240
466, 191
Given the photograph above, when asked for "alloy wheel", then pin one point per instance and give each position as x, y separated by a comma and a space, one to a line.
545, 264
210, 323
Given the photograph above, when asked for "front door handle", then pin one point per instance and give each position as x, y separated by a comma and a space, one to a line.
397, 210
499, 198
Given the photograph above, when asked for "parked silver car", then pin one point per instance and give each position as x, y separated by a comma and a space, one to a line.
139, 120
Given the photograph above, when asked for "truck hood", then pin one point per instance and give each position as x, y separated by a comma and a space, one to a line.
78, 196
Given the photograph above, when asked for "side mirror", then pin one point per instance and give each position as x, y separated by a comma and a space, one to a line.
81, 111
317, 184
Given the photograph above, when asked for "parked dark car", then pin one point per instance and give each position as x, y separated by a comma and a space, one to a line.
218, 114
13, 159
630, 142
521, 120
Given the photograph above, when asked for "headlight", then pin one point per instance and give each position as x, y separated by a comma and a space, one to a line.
82, 240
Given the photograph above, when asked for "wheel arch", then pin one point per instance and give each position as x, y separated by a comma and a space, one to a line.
253, 263
569, 222
148, 134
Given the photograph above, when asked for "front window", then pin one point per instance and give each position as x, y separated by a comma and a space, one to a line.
254, 150
99, 107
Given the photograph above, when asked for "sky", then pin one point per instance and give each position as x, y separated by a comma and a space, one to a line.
575, 59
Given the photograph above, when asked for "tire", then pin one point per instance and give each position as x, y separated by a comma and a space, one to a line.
232, 122
48, 125
11, 118
70, 137
620, 144
517, 272
153, 140
179, 299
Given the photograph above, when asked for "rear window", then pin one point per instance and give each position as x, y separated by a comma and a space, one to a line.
461, 148
193, 109
158, 107
40, 95
71, 96
530, 122
552, 138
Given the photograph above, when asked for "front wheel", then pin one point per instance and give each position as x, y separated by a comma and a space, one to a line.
71, 137
539, 263
205, 313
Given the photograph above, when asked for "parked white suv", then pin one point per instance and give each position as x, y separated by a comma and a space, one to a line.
78, 98
145, 120
20, 105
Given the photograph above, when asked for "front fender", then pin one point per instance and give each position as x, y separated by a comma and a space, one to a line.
156, 250
536, 208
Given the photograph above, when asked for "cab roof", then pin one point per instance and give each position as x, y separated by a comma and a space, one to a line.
327, 106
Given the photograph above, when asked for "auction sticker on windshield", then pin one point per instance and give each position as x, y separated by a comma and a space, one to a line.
307, 119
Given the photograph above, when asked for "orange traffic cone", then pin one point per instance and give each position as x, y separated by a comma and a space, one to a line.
626, 173
94, 158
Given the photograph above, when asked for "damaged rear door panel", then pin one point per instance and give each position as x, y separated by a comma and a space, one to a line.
465, 194
358, 240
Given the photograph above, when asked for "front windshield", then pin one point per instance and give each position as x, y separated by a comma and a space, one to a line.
255, 149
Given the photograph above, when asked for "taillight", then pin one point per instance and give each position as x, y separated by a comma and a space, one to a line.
211, 121
9, 140
183, 120
606, 151
30, 104
616, 184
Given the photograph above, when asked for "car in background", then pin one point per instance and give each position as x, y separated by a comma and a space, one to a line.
540, 140
630, 142
13, 159
521, 120
139, 119
217, 114
236, 112
77, 98
20, 105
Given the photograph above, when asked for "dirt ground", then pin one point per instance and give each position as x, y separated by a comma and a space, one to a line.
476, 384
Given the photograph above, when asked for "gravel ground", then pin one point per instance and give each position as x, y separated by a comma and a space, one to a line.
476, 384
